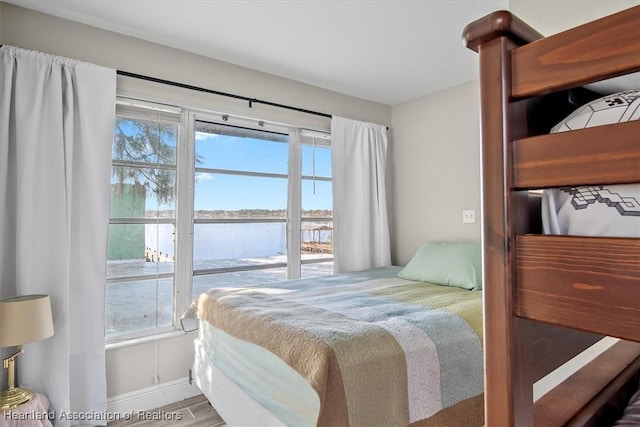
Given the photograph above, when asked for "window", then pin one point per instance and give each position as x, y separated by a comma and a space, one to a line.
240, 206
224, 203
243, 204
316, 207
140, 252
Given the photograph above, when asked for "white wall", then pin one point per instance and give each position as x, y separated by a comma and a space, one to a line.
551, 17
136, 367
32, 30
435, 169
435, 154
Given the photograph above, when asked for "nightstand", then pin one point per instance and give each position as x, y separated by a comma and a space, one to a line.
34, 413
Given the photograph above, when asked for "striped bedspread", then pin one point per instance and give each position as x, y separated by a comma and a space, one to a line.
378, 350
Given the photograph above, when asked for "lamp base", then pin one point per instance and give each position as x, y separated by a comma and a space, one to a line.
10, 399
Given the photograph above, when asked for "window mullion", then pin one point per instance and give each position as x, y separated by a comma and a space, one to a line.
294, 206
184, 216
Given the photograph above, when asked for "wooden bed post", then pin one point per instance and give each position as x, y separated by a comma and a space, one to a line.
508, 391
509, 395
551, 288
507, 339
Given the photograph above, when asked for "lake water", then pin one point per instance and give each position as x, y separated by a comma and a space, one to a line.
230, 241
132, 305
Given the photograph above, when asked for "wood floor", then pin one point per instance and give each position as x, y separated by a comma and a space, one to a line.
192, 412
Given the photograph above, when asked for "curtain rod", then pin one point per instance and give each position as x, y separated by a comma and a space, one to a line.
215, 92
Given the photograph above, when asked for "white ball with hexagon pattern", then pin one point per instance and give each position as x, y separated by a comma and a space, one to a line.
601, 210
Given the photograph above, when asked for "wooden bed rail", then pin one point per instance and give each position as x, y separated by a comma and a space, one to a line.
604, 48
577, 401
580, 282
600, 155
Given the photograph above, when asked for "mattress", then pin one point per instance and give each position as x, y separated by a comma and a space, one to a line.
229, 400
260, 375
356, 349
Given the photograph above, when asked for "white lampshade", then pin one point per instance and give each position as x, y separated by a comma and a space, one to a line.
24, 319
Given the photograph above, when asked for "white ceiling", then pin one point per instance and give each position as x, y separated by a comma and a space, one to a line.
384, 51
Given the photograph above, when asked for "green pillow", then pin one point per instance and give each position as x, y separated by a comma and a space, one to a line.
447, 264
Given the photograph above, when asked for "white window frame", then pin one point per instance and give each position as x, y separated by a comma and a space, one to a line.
185, 189
320, 139
149, 111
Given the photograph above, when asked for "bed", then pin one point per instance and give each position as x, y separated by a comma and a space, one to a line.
361, 349
584, 275
385, 347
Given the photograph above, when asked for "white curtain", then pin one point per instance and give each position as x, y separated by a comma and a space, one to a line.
361, 226
56, 130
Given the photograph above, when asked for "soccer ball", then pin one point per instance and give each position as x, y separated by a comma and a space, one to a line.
601, 210
616, 108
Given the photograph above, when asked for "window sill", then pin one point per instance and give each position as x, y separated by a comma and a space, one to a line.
141, 340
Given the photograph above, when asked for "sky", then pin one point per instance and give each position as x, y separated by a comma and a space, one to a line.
231, 192
236, 153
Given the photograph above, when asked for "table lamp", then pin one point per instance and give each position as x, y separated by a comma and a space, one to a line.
23, 319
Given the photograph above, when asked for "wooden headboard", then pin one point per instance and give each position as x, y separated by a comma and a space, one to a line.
531, 280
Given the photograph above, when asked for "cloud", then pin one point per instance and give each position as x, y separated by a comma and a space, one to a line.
203, 136
202, 176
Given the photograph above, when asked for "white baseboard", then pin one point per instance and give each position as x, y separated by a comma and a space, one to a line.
152, 397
